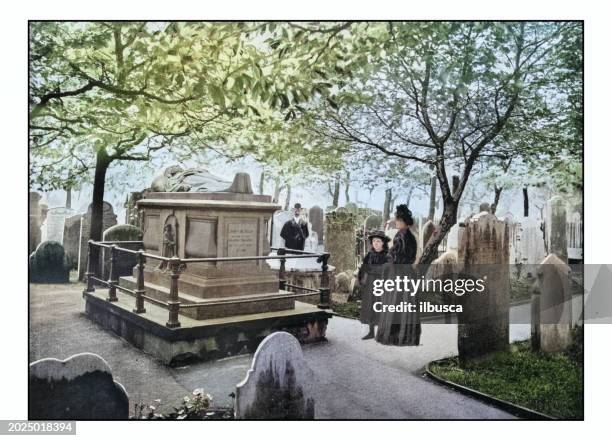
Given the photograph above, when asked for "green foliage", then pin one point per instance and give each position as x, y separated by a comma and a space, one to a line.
548, 383
348, 309
120, 91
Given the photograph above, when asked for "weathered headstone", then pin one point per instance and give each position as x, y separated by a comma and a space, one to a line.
340, 239
109, 218
71, 239
34, 221
125, 262
575, 234
428, 230
316, 216
555, 224
531, 248
373, 222
343, 282
279, 384
131, 210
48, 264
551, 307
483, 254
78, 388
485, 206
54, 225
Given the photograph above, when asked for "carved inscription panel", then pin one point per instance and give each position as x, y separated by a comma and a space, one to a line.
242, 238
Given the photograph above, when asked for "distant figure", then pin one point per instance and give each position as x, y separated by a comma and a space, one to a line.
372, 269
295, 231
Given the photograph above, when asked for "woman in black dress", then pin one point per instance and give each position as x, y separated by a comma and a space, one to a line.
370, 270
400, 328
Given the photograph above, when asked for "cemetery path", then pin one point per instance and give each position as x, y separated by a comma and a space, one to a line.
356, 379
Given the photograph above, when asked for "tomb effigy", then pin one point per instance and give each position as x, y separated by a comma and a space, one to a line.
198, 239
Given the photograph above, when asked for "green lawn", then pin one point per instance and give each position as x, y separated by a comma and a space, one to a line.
348, 309
548, 383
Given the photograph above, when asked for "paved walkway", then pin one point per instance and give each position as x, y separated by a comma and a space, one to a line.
356, 379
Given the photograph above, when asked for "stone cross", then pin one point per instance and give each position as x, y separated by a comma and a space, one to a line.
279, 384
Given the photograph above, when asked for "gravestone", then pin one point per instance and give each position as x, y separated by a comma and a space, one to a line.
575, 234
428, 230
483, 254
125, 262
279, 384
132, 216
109, 218
54, 225
78, 388
316, 216
551, 307
531, 246
343, 282
48, 264
555, 224
34, 221
340, 240
71, 239
372, 222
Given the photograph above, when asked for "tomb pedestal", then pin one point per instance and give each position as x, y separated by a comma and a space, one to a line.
237, 301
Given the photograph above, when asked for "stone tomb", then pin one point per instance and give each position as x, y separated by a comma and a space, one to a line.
230, 306
208, 225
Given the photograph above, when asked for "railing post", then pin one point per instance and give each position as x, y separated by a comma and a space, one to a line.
139, 309
112, 277
282, 281
89, 273
324, 290
173, 301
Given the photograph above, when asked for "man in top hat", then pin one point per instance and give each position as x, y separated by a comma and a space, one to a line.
295, 231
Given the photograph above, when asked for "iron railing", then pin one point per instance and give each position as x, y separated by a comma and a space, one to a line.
177, 264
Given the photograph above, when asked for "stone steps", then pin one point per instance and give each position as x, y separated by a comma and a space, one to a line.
217, 307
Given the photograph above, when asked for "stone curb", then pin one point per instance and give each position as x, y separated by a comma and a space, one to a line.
509, 407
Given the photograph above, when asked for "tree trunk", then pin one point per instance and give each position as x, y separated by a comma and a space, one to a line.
525, 202
336, 194
288, 198
347, 185
449, 218
387, 206
277, 190
69, 197
97, 204
498, 191
261, 182
409, 196
432, 199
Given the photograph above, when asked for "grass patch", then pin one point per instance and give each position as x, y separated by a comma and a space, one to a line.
348, 309
548, 383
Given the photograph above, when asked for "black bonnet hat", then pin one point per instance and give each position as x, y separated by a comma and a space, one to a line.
379, 234
402, 212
